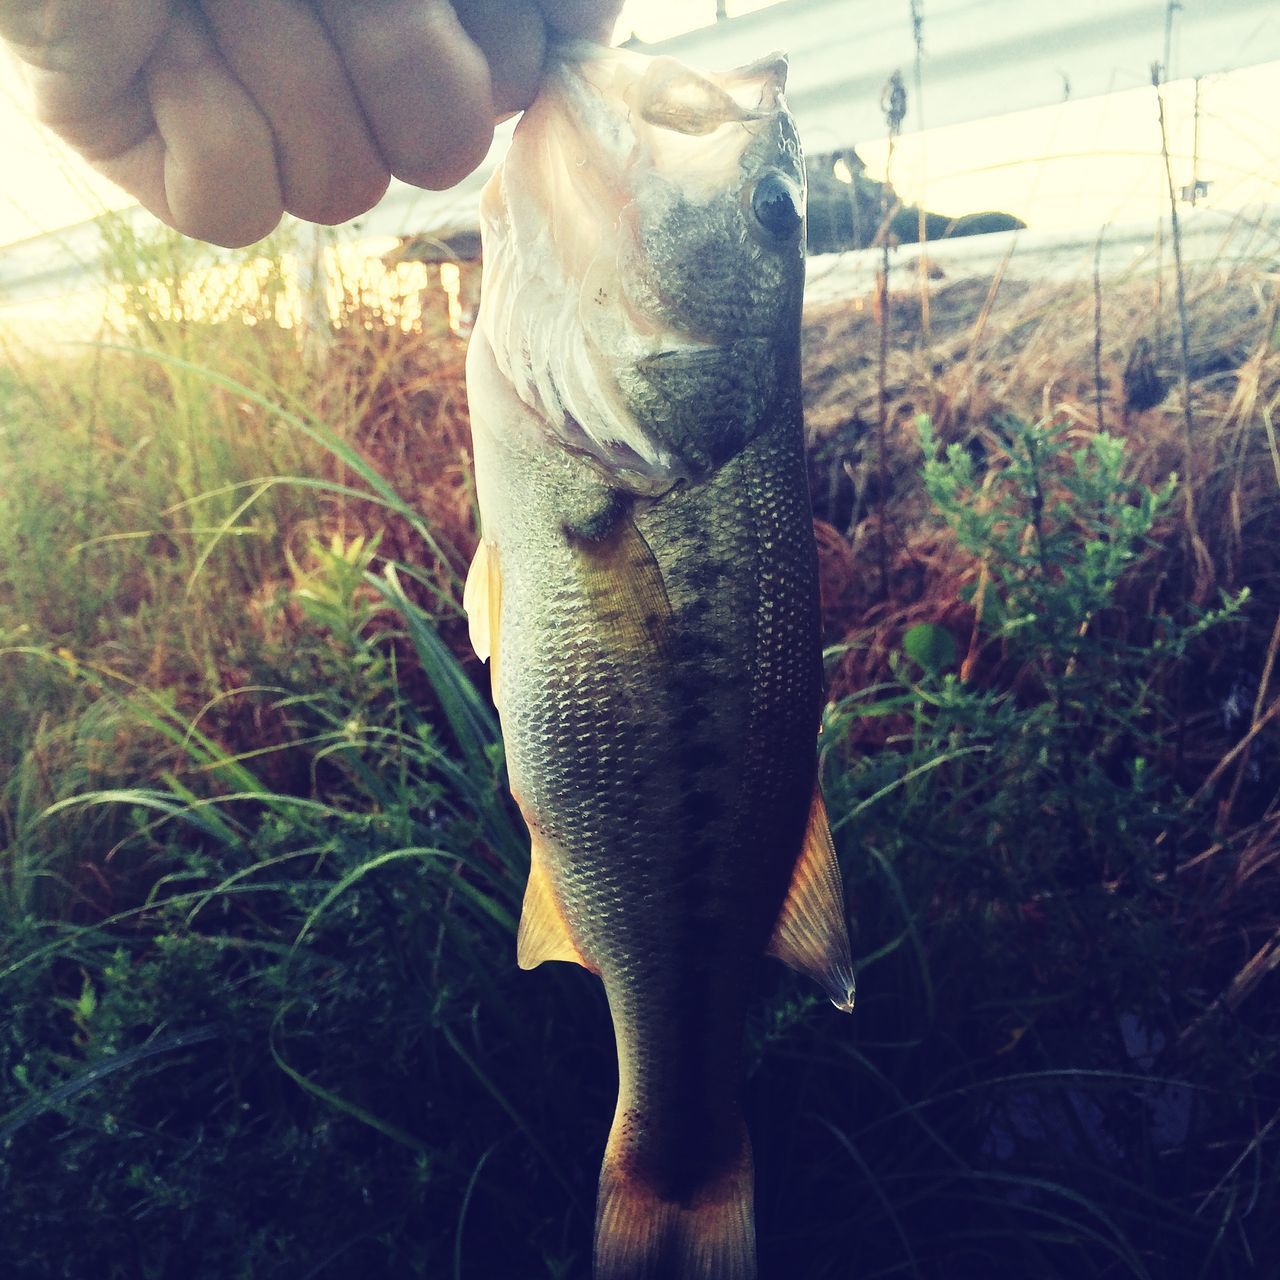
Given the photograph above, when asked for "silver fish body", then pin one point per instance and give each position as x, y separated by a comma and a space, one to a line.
647, 593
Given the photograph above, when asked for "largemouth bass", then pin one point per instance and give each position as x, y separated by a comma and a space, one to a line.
646, 593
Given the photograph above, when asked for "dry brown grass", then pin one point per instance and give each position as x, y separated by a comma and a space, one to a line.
1010, 349
1027, 352
996, 349
1002, 348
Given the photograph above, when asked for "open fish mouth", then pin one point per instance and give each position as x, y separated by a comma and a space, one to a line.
613, 141
666, 92
609, 120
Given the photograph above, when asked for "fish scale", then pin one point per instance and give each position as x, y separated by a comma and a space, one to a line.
578, 757
647, 590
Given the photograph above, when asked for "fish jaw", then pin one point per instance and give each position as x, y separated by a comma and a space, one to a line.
608, 229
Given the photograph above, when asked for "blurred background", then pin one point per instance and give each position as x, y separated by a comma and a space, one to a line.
1042, 115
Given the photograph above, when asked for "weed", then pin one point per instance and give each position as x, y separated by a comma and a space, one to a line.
261, 875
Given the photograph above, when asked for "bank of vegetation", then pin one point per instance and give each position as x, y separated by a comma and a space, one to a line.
259, 1014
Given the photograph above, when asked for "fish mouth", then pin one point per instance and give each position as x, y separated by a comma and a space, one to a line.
558, 226
631, 104
603, 118
664, 92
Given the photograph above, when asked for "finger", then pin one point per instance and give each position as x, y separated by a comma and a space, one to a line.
329, 166
422, 83
588, 19
208, 166
513, 38
98, 45
85, 56
178, 133
98, 126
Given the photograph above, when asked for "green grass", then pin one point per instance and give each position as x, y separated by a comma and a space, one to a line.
260, 878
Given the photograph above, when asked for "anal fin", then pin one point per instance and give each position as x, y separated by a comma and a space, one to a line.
544, 934
811, 934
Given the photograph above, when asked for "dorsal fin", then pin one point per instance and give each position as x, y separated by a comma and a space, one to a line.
811, 934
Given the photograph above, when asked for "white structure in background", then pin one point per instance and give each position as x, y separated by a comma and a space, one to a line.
983, 58
1208, 238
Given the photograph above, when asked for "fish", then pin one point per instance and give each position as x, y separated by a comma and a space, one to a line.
645, 592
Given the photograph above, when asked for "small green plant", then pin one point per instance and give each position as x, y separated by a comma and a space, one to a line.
1055, 525
1029, 955
1055, 723
334, 596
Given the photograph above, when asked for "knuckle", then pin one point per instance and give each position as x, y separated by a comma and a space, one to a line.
447, 164
343, 199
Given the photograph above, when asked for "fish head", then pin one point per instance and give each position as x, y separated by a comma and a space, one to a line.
644, 261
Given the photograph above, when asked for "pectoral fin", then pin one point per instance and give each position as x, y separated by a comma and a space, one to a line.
811, 934
543, 934
623, 587
482, 600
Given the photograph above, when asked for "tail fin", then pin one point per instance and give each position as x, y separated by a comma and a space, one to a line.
642, 1236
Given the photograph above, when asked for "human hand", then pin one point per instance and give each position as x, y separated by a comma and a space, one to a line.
220, 115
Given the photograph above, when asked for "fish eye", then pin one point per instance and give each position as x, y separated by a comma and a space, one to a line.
775, 203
